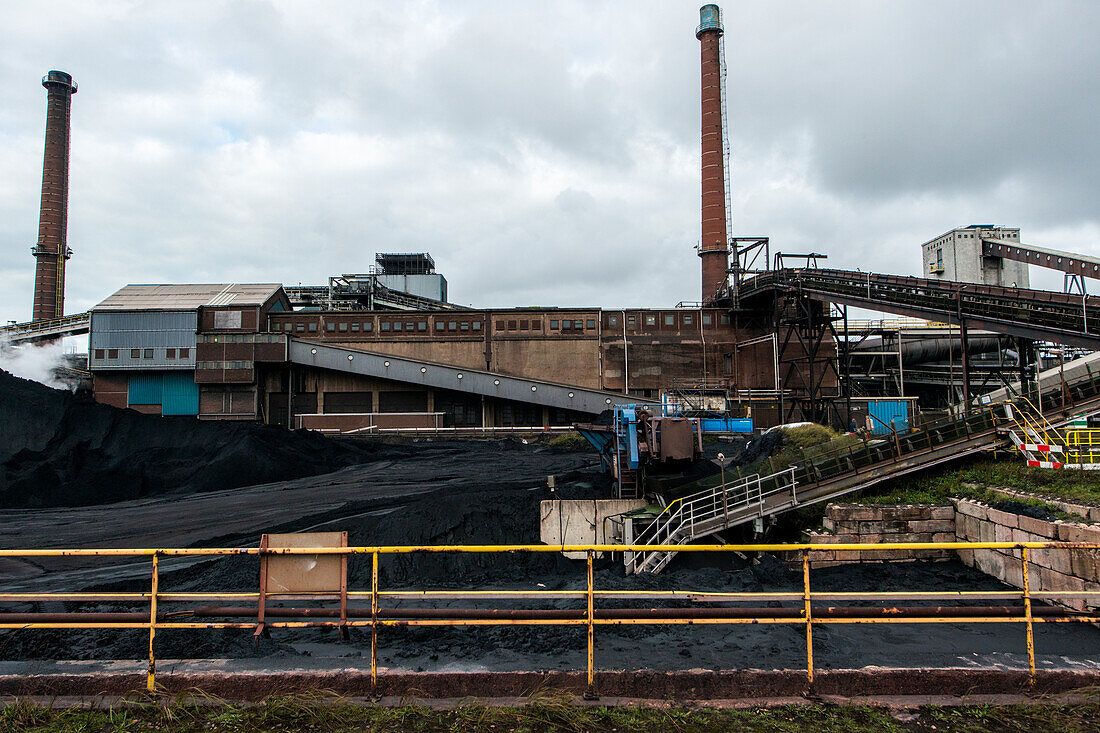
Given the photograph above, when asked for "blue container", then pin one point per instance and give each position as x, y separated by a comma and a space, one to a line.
883, 411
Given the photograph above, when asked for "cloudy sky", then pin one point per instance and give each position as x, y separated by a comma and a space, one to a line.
543, 152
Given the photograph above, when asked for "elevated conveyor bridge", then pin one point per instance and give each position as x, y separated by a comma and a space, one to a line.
1032, 314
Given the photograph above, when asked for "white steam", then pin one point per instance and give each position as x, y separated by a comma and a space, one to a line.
34, 361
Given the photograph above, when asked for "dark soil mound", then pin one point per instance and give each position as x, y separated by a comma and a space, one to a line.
62, 449
1028, 510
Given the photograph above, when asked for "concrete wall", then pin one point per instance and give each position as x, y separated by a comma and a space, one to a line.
580, 521
858, 524
1048, 570
1054, 571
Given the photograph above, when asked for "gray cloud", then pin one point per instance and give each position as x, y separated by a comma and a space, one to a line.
544, 153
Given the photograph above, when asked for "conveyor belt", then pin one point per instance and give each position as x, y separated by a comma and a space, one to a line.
1033, 314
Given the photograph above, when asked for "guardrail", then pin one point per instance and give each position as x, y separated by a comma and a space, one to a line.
799, 611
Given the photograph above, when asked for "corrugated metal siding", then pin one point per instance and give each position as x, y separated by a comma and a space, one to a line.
180, 394
145, 389
156, 330
175, 392
887, 410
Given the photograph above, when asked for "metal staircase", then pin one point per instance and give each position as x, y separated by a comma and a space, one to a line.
713, 510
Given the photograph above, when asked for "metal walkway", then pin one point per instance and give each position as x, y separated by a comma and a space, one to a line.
444, 376
53, 328
1033, 314
827, 476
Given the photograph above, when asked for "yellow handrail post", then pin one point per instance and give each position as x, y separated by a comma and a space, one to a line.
809, 616
1027, 616
590, 615
151, 676
374, 620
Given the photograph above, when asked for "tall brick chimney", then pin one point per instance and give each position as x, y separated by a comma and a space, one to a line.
52, 249
713, 247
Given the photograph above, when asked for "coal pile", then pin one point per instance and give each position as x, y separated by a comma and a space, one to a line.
64, 449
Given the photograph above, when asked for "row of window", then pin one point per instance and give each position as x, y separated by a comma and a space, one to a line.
223, 365
686, 319
368, 326
143, 353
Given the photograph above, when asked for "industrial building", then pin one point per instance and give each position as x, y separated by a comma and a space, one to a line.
960, 255
387, 348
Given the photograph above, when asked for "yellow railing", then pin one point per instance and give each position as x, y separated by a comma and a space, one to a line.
1083, 446
803, 612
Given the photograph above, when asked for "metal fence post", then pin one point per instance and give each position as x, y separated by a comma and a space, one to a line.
151, 676
809, 616
374, 619
590, 615
1027, 616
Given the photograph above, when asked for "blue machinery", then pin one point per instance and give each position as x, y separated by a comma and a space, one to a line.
637, 440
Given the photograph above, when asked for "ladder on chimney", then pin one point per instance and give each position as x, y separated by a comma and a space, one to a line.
725, 141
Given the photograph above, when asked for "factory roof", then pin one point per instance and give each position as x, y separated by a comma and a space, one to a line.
189, 297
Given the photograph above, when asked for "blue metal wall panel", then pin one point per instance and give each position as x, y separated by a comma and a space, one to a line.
180, 394
886, 410
145, 389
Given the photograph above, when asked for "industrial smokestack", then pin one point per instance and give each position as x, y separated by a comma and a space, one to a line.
713, 247
52, 249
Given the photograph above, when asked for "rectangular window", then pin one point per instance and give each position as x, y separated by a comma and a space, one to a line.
313, 327
440, 325
185, 353
500, 325
99, 353
477, 325
512, 325
343, 326
330, 326
523, 325
464, 326
452, 326
725, 319
368, 326
354, 327
170, 353
385, 325
410, 326
630, 320
148, 354
687, 319
536, 325
112, 353
299, 327
135, 353
651, 320
590, 324
579, 325
670, 320
421, 325
707, 319
613, 320
553, 325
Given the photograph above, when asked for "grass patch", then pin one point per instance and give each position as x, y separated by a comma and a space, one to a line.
572, 441
976, 479
313, 714
800, 444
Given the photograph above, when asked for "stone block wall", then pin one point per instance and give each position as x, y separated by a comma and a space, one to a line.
1055, 571
862, 524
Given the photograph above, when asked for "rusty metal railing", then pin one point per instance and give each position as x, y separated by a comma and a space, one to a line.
803, 610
